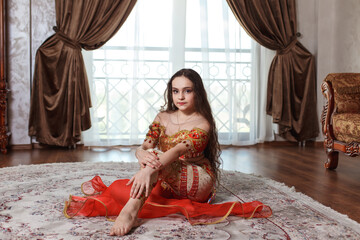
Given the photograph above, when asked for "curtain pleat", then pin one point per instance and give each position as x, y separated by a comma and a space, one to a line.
60, 99
291, 94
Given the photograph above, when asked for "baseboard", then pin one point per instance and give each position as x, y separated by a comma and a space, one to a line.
21, 147
81, 146
40, 146
287, 143
282, 143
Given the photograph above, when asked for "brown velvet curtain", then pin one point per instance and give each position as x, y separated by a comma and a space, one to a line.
291, 94
60, 98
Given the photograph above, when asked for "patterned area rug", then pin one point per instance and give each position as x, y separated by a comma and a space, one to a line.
32, 199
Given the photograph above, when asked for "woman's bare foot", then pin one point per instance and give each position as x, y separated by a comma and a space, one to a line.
127, 218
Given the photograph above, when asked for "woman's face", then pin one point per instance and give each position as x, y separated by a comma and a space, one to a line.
183, 94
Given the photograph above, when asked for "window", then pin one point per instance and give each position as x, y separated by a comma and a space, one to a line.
128, 75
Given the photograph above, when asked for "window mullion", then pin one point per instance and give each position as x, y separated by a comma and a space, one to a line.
177, 49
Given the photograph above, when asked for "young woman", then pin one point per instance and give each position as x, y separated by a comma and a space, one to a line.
179, 162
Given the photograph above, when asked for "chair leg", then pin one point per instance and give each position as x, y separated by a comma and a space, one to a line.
332, 160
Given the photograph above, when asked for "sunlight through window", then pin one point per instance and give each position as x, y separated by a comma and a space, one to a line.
129, 73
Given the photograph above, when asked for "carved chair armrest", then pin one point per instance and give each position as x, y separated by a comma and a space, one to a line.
328, 109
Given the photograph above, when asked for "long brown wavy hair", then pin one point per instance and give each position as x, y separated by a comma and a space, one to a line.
202, 106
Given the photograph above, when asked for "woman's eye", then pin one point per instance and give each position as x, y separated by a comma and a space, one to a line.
175, 91
188, 91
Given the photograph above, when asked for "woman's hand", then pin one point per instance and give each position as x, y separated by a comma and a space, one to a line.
146, 158
141, 182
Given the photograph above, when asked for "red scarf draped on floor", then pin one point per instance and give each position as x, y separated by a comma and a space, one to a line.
108, 202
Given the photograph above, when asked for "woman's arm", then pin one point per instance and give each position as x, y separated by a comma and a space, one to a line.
180, 149
141, 180
146, 158
172, 154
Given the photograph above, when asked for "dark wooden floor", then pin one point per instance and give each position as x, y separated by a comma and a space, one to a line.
301, 167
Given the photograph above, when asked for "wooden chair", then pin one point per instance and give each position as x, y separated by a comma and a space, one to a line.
341, 116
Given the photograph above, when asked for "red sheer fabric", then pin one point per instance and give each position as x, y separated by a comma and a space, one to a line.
108, 201
175, 187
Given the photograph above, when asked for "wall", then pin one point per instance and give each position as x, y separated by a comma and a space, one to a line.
30, 23
329, 30
338, 40
306, 13
18, 69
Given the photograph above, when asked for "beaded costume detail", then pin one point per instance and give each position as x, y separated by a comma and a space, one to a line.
195, 140
182, 176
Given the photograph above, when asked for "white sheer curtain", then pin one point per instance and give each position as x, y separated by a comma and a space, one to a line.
129, 74
264, 128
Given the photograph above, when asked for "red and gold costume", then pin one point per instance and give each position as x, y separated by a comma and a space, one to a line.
187, 185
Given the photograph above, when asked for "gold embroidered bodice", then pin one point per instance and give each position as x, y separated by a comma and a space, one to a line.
196, 140
164, 133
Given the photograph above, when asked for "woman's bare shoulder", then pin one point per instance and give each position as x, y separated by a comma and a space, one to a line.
164, 114
203, 124
163, 117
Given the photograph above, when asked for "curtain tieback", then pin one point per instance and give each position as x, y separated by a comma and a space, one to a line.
287, 48
65, 39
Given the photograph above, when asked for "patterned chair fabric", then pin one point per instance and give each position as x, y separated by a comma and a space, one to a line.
341, 116
346, 127
346, 88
